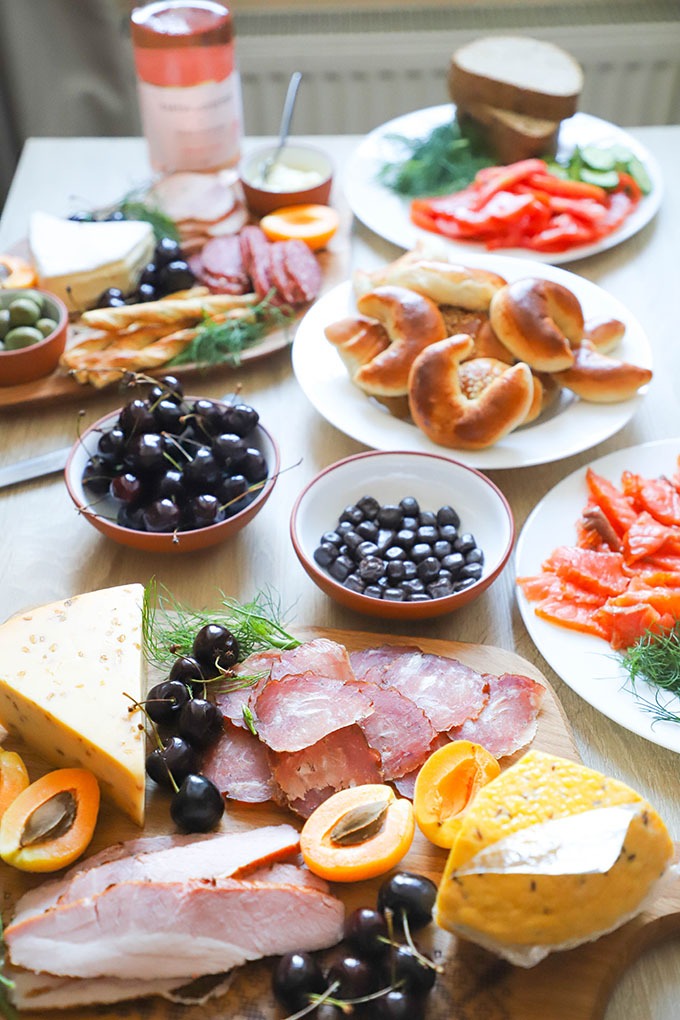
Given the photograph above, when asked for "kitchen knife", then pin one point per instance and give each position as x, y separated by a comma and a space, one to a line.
35, 467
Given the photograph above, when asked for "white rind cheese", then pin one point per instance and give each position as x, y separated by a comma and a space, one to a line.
65, 671
79, 261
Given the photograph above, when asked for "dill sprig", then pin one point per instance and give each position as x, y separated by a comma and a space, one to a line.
655, 659
217, 342
445, 160
7, 1010
136, 209
169, 626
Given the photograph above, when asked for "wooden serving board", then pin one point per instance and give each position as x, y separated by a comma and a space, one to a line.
573, 985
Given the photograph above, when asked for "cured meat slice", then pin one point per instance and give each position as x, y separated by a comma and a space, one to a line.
173, 858
194, 196
309, 777
448, 691
176, 929
398, 730
371, 664
280, 278
322, 656
233, 703
239, 767
297, 711
255, 251
406, 784
222, 257
303, 270
509, 718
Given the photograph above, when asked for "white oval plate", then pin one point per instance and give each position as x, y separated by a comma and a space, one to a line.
586, 663
570, 427
387, 214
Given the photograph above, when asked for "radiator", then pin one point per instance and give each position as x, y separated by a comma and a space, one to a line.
356, 80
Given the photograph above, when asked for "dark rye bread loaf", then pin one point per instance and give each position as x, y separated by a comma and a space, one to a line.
511, 136
518, 74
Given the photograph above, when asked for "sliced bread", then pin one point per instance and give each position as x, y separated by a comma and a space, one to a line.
511, 136
516, 73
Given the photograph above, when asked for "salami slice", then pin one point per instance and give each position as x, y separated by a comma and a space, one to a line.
303, 270
255, 251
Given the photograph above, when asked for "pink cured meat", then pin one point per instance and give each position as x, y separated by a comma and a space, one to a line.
231, 704
448, 691
297, 711
238, 766
406, 784
284, 285
509, 718
398, 730
222, 258
308, 777
255, 251
322, 656
371, 664
303, 270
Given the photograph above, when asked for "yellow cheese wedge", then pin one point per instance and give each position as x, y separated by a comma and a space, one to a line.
65, 669
550, 854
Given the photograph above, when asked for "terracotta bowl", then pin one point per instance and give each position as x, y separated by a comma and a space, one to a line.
101, 512
262, 199
435, 482
41, 358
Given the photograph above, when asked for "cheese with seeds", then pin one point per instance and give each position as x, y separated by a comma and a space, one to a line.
66, 670
548, 855
79, 261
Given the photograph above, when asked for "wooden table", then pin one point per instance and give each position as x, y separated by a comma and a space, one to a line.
50, 553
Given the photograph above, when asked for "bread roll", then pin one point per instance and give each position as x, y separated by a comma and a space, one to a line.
497, 400
538, 321
603, 380
445, 283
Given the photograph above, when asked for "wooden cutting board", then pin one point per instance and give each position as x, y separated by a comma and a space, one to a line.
573, 985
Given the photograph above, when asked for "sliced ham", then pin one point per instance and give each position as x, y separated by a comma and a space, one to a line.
194, 196
341, 759
448, 691
239, 767
509, 718
398, 730
176, 929
257, 665
166, 857
297, 711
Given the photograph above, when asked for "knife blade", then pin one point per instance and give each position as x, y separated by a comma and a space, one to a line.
35, 467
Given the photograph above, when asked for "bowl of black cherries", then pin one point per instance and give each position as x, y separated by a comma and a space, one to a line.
173, 473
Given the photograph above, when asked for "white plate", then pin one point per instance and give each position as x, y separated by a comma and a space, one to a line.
587, 664
568, 428
387, 213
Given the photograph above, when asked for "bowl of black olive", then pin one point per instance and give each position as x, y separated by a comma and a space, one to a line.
402, 535
173, 473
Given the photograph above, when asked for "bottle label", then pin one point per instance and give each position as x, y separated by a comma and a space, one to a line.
196, 127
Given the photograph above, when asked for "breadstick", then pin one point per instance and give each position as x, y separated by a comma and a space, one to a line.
122, 345
169, 312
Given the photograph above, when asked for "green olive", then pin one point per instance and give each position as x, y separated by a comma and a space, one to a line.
22, 336
46, 326
37, 298
4, 323
23, 312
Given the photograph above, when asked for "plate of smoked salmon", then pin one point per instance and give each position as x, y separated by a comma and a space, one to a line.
598, 568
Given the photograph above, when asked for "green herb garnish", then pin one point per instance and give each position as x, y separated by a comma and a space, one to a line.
446, 160
655, 659
163, 226
169, 627
219, 342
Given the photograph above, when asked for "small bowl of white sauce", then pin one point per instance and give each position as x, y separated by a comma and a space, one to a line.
300, 175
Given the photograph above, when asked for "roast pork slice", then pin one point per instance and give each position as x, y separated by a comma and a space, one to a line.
175, 929
163, 858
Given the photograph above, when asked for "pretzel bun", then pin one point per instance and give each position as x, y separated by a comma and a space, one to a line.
604, 334
469, 413
538, 321
603, 380
411, 322
357, 341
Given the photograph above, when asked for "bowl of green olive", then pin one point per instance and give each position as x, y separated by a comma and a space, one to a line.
33, 329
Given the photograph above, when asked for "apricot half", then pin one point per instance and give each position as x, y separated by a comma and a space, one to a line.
16, 272
313, 224
13, 778
357, 833
446, 784
51, 822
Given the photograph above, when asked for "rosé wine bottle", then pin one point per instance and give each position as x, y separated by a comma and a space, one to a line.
188, 84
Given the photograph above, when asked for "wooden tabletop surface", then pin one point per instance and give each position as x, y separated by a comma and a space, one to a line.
48, 552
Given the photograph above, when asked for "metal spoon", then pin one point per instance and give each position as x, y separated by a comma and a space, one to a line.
286, 118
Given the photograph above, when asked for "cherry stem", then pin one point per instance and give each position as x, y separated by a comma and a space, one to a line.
425, 960
316, 1000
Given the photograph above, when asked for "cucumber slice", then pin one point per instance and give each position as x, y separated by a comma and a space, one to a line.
638, 171
598, 159
603, 178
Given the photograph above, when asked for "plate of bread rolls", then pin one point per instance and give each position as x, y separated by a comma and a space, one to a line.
388, 213
500, 362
